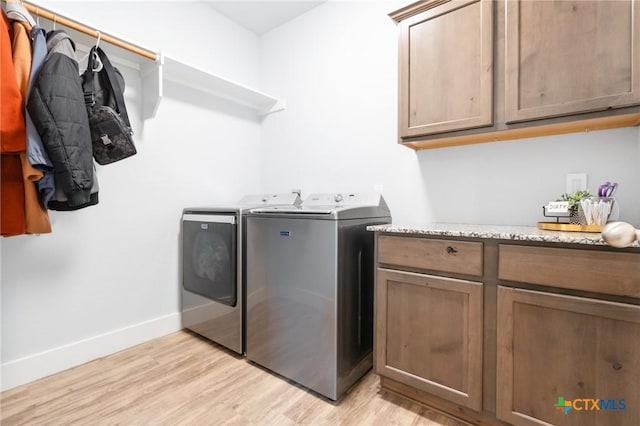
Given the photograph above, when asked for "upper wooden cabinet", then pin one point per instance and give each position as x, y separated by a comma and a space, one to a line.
473, 71
446, 56
567, 57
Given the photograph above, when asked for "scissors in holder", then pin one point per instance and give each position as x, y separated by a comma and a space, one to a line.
607, 189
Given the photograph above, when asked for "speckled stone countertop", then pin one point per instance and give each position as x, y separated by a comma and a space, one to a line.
519, 233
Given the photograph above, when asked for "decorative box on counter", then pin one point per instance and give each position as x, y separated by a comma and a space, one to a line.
597, 211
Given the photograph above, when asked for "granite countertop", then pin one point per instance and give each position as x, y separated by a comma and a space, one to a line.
519, 233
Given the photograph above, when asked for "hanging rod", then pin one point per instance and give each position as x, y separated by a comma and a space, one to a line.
69, 23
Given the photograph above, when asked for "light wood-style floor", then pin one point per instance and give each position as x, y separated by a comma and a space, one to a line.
183, 379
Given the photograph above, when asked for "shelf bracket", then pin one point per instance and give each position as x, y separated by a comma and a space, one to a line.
152, 87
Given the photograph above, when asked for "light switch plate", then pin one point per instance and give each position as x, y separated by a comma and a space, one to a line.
576, 182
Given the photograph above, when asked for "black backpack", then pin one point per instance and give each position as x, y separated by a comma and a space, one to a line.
103, 87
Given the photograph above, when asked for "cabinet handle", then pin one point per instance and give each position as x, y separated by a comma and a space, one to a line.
451, 250
617, 366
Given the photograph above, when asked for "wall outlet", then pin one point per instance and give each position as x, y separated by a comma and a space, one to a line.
576, 182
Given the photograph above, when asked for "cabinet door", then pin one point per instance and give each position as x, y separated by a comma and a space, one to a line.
429, 334
566, 57
446, 68
558, 354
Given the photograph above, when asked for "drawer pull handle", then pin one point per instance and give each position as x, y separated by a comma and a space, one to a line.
617, 366
451, 250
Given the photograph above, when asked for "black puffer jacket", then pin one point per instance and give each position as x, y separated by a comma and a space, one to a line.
57, 107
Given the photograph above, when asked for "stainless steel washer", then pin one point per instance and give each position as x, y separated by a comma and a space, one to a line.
213, 268
310, 289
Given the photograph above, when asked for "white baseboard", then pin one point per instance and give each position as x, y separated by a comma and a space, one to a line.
33, 367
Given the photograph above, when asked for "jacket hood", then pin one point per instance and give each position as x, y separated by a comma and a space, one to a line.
17, 12
60, 42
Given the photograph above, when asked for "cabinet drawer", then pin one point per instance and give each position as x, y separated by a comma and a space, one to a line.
459, 257
587, 270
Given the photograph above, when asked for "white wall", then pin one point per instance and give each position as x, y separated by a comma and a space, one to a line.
337, 68
509, 182
108, 275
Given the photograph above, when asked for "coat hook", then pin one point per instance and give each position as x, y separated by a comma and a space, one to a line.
37, 16
54, 21
98, 41
97, 62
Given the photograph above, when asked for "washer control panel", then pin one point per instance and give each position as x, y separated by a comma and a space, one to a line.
343, 199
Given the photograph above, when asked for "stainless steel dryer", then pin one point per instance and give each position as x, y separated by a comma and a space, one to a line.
213, 253
310, 289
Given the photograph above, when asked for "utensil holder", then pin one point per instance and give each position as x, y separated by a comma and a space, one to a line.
595, 216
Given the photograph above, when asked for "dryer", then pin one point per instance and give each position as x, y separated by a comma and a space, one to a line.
213, 268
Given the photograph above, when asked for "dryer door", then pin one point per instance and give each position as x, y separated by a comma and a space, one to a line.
209, 256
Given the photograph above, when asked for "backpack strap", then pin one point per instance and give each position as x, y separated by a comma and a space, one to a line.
88, 84
115, 86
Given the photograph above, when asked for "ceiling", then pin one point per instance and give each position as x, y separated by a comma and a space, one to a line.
262, 16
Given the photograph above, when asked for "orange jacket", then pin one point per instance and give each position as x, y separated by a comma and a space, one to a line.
12, 140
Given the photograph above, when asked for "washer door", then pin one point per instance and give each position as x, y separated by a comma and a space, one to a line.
209, 256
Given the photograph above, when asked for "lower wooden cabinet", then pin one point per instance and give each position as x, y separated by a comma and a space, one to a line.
429, 334
566, 360
503, 332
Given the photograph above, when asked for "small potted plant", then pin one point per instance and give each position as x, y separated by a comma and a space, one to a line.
574, 205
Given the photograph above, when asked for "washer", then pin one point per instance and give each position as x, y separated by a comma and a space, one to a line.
213, 253
310, 289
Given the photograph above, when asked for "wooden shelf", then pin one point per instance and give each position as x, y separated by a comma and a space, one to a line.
154, 73
168, 69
